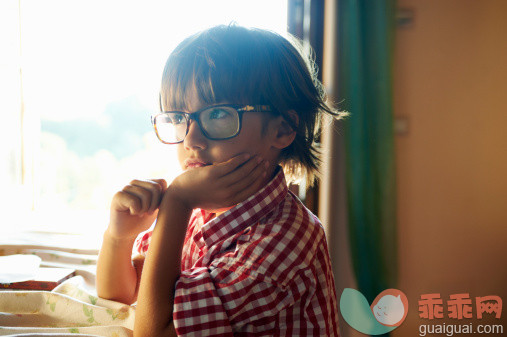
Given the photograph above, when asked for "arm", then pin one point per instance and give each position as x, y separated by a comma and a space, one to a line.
116, 275
161, 270
212, 187
133, 210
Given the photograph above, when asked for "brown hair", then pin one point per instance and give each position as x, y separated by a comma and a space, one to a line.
242, 65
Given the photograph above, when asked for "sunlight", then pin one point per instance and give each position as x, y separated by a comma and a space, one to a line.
91, 75
103, 50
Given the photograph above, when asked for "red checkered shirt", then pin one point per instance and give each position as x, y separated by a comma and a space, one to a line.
262, 268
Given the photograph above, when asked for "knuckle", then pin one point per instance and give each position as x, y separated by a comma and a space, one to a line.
144, 192
128, 188
157, 186
163, 184
118, 195
122, 195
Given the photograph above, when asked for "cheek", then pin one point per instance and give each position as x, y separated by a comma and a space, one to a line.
243, 143
224, 152
251, 146
181, 154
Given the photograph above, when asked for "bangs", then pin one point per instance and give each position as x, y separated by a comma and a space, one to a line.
215, 70
183, 75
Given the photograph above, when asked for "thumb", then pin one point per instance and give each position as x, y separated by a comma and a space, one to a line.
162, 183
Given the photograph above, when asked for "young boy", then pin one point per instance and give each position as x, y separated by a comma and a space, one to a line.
233, 252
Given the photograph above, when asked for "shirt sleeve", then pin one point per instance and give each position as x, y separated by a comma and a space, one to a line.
218, 302
142, 243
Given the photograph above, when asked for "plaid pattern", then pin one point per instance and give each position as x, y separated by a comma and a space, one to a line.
262, 268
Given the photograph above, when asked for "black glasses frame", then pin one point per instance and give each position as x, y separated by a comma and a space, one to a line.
241, 109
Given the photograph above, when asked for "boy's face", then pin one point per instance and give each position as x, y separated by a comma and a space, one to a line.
197, 150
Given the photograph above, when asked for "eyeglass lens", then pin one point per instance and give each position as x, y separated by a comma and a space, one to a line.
215, 123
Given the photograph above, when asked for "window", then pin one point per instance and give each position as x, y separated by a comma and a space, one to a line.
78, 123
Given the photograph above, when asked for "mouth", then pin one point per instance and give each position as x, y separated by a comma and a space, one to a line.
192, 163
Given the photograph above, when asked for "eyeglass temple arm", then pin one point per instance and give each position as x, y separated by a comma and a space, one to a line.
261, 108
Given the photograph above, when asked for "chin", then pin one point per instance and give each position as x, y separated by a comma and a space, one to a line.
220, 210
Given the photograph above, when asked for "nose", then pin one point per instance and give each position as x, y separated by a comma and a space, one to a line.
195, 139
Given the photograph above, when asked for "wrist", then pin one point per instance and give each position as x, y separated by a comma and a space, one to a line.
174, 199
117, 240
174, 214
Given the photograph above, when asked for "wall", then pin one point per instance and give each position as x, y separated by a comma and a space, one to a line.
451, 87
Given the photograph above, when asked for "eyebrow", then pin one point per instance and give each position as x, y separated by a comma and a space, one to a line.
202, 108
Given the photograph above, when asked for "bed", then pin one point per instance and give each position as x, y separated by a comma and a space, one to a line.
70, 309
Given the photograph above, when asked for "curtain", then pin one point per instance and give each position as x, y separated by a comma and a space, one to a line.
365, 54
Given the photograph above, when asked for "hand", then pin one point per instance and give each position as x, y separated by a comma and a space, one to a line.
220, 185
134, 208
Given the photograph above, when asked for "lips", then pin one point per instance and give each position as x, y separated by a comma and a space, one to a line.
191, 163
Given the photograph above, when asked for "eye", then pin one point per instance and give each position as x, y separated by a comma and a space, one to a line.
218, 114
177, 119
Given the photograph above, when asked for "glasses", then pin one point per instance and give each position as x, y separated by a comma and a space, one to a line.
217, 122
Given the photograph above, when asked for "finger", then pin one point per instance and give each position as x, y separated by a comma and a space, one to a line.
156, 187
143, 194
162, 183
242, 171
250, 183
231, 164
246, 186
126, 202
159, 184
251, 189
149, 182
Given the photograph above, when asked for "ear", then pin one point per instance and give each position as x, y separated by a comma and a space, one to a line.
284, 134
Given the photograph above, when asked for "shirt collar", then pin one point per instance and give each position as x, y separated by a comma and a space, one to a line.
247, 212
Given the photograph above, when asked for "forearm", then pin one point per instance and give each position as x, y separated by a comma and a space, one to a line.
116, 276
161, 271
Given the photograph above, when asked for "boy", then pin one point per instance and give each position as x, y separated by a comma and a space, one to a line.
233, 252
